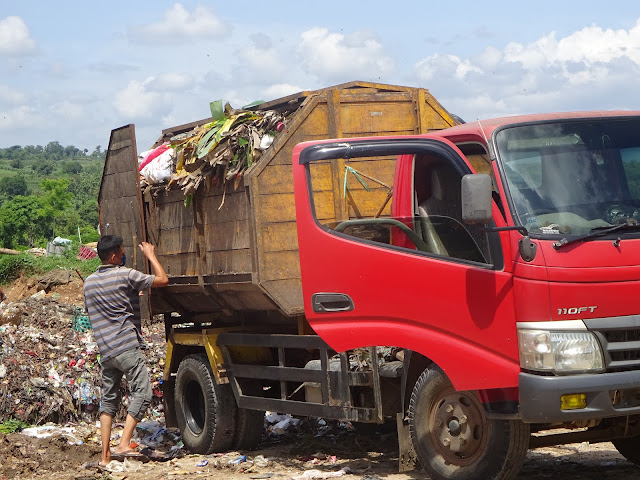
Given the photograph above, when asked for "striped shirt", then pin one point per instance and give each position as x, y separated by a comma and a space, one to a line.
111, 297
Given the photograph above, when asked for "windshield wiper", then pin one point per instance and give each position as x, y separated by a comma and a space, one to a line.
596, 232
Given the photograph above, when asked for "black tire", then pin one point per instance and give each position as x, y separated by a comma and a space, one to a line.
205, 411
629, 448
453, 438
249, 429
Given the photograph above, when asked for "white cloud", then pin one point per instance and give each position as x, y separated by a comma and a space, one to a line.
57, 69
137, 101
332, 56
281, 90
261, 60
593, 68
15, 39
67, 110
172, 81
11, 96
179, 25
20, 117
444, 65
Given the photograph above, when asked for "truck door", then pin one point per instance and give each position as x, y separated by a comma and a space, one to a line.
416, 276
120, 200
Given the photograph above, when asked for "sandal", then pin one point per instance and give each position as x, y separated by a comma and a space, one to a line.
120, 457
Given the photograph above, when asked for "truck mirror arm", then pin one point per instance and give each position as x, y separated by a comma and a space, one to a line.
526, 248
523, 230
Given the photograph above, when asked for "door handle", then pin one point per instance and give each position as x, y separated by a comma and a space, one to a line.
331, 302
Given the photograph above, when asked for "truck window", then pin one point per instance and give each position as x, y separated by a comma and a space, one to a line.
431, 222
365, 192
477, 156
571, 177
439, 212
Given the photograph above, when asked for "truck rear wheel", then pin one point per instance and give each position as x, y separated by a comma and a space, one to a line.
453, 438
629, 448
205, 411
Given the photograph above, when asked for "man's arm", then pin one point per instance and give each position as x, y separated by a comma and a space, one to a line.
149, 251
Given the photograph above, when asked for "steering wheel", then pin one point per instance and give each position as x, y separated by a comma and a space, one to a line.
413, 236
622, 220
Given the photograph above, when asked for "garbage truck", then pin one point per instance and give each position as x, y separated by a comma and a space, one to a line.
472, 282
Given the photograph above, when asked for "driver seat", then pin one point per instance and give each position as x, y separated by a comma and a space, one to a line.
429, 234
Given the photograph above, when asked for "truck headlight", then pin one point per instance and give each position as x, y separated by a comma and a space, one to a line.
559, 352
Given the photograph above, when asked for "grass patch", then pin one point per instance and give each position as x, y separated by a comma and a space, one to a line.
13, 266
12, 425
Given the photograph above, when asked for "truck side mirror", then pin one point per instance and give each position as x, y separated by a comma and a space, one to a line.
476, 198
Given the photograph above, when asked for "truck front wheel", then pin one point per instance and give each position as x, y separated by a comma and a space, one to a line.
629, 448
205, 411
454, 439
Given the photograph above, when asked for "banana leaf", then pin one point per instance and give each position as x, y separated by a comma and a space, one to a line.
253, 104
217, 110
209, 141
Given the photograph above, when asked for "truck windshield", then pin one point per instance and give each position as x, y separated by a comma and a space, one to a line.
571, 177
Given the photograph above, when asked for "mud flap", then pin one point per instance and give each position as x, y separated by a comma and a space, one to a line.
407, 460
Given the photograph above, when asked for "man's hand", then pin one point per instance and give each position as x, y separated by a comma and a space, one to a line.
148, 250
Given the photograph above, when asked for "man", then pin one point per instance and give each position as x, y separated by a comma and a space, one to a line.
111, 296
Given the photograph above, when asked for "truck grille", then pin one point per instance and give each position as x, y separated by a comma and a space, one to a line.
620, 340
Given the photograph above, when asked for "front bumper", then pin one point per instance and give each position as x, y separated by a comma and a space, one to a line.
608, 395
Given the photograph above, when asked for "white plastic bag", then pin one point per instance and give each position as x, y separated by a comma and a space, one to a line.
159, 169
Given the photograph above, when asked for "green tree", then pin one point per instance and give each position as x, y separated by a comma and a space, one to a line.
33, 150
45, 167
72, 167
22, 221
67, 223
89, 213
56, 198
54, 150
11, 152
89, 234
13, 186
71, 151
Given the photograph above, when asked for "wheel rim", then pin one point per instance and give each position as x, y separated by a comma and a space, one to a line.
458, 427
194, 407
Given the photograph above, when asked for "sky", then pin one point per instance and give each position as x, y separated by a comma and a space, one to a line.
71, 71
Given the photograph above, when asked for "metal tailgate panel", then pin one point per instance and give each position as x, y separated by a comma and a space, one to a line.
120, 199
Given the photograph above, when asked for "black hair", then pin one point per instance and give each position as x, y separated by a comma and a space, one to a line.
108, 245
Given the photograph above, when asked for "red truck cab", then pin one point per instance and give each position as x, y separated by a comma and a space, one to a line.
505, 266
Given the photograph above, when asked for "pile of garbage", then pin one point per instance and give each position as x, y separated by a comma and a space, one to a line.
49, 369
218, 152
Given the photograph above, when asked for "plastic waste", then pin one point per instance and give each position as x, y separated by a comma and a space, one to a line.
283, 425
313, 474
39, 295
159, 169
61, 241
45, 431
260, 461
266, 141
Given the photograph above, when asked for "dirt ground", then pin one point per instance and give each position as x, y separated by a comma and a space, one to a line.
368, 456
24, 287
